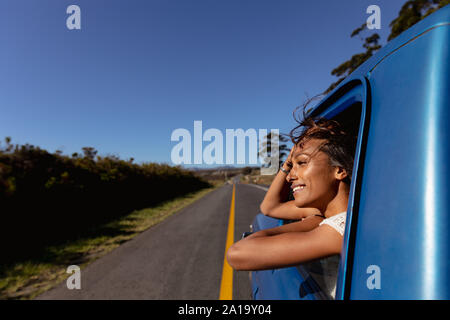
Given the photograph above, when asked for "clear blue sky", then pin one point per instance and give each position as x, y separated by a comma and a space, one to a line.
137, 70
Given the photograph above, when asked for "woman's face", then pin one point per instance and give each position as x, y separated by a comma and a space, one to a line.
313, 180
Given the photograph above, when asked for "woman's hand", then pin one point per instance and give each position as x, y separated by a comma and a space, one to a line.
278, 192
287, 165
276, 204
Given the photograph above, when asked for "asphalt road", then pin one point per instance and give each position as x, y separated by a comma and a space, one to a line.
180, 258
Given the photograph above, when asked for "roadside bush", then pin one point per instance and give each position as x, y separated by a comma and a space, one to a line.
50, 198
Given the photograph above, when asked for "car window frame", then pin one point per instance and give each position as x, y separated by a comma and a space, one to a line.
355, 90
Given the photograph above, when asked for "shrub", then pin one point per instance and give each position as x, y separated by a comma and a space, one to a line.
49, 198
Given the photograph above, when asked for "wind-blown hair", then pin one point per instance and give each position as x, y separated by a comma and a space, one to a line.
338, 145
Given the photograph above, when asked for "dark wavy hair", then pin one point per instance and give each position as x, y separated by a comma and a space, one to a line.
338, 145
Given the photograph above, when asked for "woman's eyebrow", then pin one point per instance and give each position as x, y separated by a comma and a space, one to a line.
299, 153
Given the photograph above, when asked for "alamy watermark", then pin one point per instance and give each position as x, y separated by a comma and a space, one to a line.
263, 147
374, 280
374, 20
74, 281
73, 22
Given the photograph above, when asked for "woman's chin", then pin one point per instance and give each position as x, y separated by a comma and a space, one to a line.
303, 202
300, 203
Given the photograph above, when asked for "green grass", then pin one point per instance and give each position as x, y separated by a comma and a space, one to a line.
27, 279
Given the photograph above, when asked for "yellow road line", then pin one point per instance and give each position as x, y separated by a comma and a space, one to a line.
226, 285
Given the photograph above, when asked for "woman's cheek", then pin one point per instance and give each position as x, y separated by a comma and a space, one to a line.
302, 197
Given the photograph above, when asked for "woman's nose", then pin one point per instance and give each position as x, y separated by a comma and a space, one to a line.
291, 176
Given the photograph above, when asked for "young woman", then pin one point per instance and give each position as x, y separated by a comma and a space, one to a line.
318, 171
275, 203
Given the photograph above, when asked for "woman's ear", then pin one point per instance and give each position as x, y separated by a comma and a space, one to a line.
340, 173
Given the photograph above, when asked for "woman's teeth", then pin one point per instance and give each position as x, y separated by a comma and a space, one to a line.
298, 188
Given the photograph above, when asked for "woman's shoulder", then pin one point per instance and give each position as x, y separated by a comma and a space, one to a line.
337, 222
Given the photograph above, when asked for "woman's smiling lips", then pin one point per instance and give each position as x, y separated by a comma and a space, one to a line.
297, 187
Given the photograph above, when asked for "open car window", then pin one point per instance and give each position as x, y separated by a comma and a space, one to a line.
321, 275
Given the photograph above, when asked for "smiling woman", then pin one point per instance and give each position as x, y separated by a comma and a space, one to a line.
318, 171
322, 157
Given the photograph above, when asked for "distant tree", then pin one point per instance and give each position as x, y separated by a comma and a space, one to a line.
411, 12
267, 150
346, 68
246, 170
9, 147
89, 152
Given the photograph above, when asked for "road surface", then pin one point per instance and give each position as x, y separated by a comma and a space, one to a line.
179, 258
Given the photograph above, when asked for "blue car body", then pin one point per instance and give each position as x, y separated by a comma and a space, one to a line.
398, 218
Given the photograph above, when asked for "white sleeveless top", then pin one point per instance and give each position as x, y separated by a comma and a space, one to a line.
337, 222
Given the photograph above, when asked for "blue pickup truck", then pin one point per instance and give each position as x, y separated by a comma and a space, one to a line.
397, 238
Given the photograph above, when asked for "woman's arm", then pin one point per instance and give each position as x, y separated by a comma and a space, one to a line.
275, 202
288, 210
285, 246
305, 225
